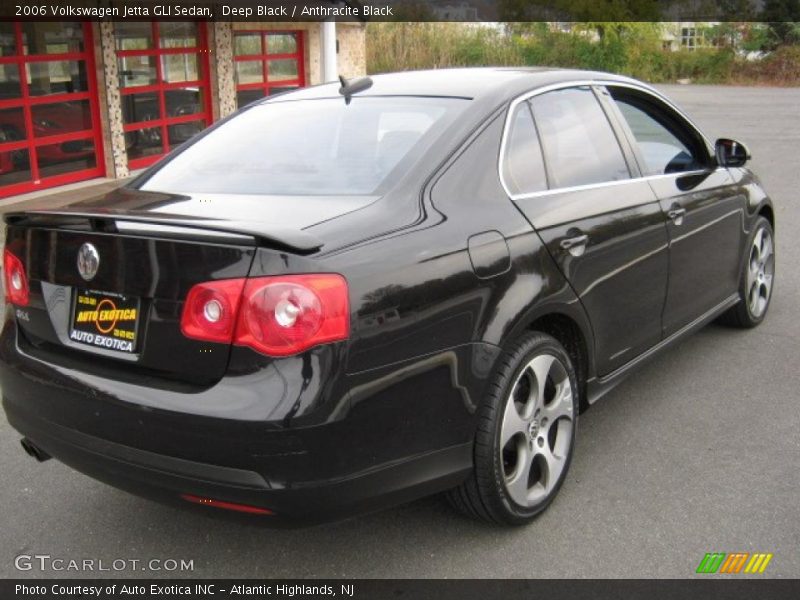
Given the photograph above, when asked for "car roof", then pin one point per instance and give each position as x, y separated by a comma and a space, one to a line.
474, 83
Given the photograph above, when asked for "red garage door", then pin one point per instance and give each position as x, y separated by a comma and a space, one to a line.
267, 63
49, 123
163, 73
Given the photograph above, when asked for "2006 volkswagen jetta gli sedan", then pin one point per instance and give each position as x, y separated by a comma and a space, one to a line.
354, 295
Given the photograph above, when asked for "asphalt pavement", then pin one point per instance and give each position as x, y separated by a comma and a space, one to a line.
698, 452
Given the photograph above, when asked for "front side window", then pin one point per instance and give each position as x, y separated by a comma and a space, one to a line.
309, 147
666, 144
523, 166
580, 148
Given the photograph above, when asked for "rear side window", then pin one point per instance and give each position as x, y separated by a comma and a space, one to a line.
523, 165
309, 147
666, 145
580, 147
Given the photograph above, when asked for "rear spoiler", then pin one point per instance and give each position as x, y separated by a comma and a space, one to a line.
251, 233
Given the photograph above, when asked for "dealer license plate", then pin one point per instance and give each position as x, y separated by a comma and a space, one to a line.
105, 320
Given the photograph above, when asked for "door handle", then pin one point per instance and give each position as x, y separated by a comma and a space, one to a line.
677, 214
575, 245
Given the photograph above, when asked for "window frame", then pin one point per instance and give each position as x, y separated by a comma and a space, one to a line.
264, 56
691, 38
625, 142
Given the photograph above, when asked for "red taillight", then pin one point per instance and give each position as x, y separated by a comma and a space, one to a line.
15, 280
277, 316
210, 310
281, 316
245, 508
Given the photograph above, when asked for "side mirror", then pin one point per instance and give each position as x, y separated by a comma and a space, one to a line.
731, 153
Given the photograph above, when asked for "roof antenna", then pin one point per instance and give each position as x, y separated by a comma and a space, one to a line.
353, 86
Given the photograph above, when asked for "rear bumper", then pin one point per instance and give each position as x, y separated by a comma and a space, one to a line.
166, 479
368, 460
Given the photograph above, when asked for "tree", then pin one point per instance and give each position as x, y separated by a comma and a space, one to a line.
783, 20
578, 10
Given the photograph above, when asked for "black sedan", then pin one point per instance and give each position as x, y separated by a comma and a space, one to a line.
355, 295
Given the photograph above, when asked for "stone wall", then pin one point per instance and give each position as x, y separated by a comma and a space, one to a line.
223, 78
110, 101
352, 49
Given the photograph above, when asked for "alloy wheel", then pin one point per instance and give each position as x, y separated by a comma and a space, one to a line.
760, 272
536, 433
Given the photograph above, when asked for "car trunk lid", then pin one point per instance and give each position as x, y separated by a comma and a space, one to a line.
125, 317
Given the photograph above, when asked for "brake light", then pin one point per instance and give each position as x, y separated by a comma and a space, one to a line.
16, 281
210, 310
281, 316
277, 316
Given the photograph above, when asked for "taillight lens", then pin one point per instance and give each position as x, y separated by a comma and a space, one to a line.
281, 316
277, 316
210, 310
16, 281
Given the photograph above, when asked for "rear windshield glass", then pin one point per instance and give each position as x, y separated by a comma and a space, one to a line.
309, 147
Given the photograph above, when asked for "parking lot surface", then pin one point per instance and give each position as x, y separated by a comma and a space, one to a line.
698, 452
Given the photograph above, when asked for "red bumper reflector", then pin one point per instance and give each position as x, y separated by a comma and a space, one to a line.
253, 510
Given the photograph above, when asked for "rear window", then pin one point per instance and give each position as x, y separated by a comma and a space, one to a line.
309, 147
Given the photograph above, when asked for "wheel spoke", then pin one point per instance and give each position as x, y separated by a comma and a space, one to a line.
513, 423
529, 405
754, 293
555, 464
765, 250
541, 369
556, 457
561, 406
757, 245
752, 272
517, 485
768, 283
551, 465
762, 299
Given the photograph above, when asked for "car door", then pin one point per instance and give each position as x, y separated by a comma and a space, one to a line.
602, 225
705, 213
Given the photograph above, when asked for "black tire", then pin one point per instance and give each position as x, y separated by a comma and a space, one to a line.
485, 495
742, 315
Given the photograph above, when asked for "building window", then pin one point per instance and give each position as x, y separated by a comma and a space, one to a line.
690, 38
49, 122
267, 63
164, 83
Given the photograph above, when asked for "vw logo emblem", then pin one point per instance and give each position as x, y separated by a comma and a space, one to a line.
88, 261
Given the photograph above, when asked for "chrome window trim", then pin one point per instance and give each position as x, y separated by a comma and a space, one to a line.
641, 87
